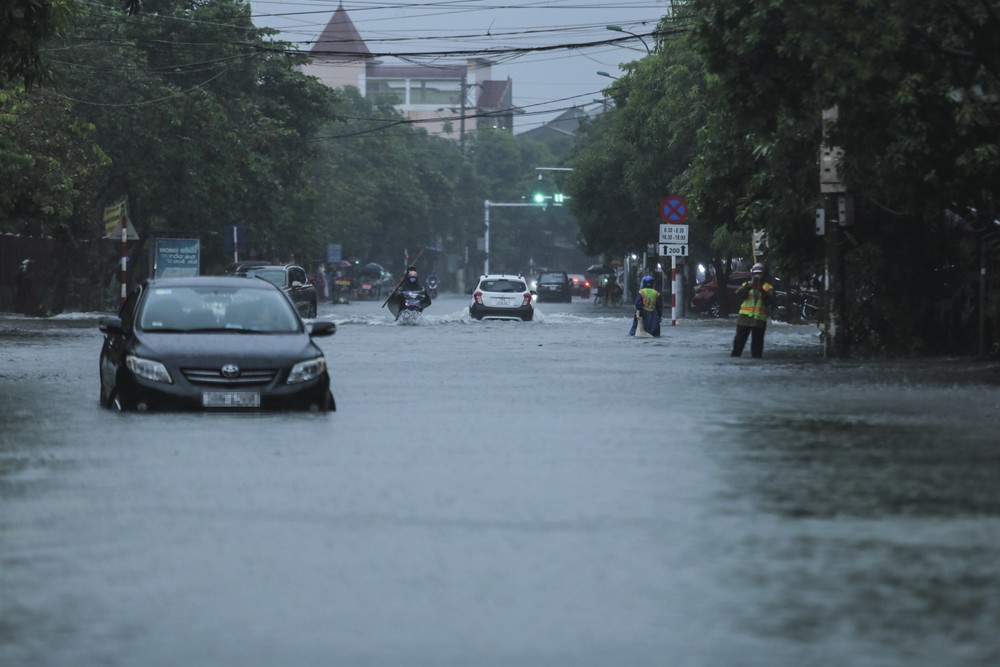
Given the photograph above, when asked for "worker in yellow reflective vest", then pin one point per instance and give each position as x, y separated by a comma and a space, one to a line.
648, 309
755, 309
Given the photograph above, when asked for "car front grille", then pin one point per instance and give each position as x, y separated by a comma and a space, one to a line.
213, 376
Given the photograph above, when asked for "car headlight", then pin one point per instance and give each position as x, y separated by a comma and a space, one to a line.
148, 369
307, 370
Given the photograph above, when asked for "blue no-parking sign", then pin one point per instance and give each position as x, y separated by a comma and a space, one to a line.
673, 209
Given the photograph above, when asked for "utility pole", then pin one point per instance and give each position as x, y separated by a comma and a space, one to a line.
838, 209
461, 122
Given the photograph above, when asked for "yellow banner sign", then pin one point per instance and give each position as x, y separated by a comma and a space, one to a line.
113, 216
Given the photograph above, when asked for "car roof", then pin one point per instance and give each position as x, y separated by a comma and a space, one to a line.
209, 281
498, 276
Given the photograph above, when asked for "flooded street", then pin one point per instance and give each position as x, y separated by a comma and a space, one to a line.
493, 493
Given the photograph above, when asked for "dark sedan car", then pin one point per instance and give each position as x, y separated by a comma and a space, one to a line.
291, 279
554, 286
579, 285
211, 343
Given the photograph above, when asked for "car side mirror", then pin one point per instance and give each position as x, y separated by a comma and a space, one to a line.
110, 325
322, 328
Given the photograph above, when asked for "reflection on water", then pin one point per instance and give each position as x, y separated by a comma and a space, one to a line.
782, 512
882, 483
830, 465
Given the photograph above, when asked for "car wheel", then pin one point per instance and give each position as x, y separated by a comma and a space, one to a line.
715, 308
311, 311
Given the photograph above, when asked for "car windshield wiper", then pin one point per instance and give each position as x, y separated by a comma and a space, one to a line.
209, 330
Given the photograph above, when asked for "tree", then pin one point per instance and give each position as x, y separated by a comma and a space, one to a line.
916, 87
26, 27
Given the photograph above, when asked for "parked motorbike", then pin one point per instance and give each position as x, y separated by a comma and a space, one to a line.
407, 305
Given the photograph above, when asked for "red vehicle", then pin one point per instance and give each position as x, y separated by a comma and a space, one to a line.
708, 301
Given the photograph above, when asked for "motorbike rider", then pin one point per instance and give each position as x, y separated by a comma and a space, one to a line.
432, 284
411, 283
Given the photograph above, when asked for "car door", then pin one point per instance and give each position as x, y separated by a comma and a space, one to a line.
116, 345
298, 289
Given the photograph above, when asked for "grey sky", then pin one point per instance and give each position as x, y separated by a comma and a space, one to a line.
545, 82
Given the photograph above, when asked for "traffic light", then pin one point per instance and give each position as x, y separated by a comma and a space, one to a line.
539, 198
557, 198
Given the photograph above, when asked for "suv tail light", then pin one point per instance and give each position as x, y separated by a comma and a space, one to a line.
478, 296
527, 299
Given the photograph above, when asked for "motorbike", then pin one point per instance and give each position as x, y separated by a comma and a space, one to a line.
407, 305
432, 285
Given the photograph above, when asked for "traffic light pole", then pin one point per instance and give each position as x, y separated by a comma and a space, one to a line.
486, 215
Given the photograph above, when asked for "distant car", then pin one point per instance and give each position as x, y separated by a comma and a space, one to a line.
554, 286
499, 296
291, 279
579, 285
708, 300
212, 343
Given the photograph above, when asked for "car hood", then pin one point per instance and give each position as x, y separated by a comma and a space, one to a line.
278, 349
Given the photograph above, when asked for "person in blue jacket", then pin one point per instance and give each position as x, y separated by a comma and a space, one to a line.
648, 308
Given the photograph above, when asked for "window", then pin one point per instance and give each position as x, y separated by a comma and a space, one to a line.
438, 92
393, 87
503, 286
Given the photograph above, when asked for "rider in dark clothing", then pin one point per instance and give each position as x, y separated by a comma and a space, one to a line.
411, 283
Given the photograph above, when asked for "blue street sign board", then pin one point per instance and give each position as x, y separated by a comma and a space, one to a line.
673, 209
334, 253
177, 257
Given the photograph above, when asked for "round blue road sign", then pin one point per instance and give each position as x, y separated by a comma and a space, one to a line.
673, 209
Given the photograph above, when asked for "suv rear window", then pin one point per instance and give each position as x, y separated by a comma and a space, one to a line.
552, 278
273, 276
502, 285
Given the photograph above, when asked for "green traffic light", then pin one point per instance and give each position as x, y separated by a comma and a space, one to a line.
539, 198
557, 198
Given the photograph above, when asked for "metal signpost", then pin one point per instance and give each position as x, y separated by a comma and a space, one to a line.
673, 243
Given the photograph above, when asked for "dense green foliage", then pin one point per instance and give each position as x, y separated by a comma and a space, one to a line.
728, 111
202, 122
188, 110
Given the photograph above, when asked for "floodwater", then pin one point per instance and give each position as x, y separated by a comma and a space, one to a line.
491, 493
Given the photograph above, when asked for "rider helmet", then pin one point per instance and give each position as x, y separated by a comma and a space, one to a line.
758, 269
647, 281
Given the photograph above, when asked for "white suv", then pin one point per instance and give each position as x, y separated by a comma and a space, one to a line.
502, 297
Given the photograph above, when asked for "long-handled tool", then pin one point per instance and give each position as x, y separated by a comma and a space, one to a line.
403, 278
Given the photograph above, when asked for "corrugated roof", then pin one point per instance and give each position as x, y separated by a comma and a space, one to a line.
340, 37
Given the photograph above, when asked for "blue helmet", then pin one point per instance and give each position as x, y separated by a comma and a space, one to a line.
647, 281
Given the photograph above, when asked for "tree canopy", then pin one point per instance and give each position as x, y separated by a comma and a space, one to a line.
730, 114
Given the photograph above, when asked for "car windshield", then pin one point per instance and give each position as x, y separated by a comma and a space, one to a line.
502, 285
273, 276
234, 309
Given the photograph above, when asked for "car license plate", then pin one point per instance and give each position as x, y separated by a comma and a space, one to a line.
501, 300
230, 399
